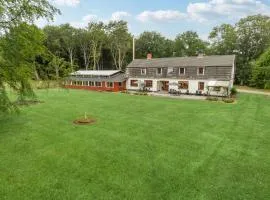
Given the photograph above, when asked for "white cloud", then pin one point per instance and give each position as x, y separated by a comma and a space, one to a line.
211, 10
116, 16
89, 18
161, 16
119, 15
85, 20
230, 9
71, 3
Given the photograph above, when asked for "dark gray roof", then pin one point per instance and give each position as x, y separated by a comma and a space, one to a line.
119, 77
223, 60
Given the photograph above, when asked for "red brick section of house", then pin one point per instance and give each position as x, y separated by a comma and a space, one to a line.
116, 87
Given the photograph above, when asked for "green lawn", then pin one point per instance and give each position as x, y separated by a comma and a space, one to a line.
140, 148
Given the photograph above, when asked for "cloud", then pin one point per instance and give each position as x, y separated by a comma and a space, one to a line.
229, 9
116, 16
119, 15
71, 3
161, 16
211, 10
85, 20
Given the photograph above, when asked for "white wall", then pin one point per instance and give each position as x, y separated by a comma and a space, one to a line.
154, 87
193, 85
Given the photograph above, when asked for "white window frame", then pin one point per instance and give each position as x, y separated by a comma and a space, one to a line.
203, 85
199, 69
136, 84
180, 71
170, 70
108, 86
91, 85
143, 70
160, 71
98, 82
148, 86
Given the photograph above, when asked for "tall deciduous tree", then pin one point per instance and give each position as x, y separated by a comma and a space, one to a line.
14, 12
253, 37
223, 39
120, 42
98, 38
151, 42
19, 48
20, 44
261, 71
189, 44
84, 39
69, 38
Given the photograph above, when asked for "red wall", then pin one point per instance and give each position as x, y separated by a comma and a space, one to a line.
116, 87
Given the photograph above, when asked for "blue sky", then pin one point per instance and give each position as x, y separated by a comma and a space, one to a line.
167, 17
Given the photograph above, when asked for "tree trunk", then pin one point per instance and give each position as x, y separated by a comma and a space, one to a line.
85, 59
56, 66
119, 58
71, 58
36, 72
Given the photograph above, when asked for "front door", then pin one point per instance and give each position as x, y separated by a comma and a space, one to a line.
165, 85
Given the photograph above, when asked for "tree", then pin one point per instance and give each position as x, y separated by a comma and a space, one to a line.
120, 42
84, 37
253, 37
53, 40
69, 41
13, 12
19, 49
19, 44
261, 71
152, 42
223, 39
189, 44
98, 38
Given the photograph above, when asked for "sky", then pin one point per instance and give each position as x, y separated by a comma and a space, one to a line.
169, 17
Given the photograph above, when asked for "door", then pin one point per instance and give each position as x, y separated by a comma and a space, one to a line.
201, 86
165, 85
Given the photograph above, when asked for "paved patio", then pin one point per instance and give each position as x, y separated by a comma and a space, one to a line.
182, 96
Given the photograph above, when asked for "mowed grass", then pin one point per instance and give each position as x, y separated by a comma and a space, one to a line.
140, 148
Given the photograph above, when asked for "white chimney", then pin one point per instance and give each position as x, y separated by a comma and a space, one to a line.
133, 48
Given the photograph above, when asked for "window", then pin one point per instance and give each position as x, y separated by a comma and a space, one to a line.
85, 83
98, 84
143, 71
183, 85
200, 71
148, 83
91, 83
134, 83
120, 84
201, 86
182, 71
170, 70
159, 71
109, 84
78, 83
217, 89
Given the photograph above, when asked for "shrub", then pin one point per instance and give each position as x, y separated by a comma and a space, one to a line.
228, 100
233, 91
212, 98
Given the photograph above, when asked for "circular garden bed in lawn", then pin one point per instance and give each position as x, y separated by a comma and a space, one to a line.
84, 121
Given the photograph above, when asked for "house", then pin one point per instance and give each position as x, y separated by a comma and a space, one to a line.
99, 80
211, 75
